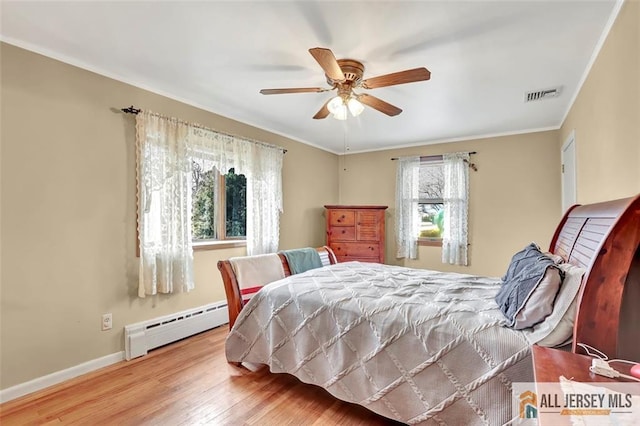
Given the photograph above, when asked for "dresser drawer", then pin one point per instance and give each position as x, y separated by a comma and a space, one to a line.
342, 217
341, 233
351, 250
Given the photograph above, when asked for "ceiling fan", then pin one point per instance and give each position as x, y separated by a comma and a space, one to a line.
345, 75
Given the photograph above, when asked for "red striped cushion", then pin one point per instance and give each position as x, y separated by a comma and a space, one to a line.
248, 292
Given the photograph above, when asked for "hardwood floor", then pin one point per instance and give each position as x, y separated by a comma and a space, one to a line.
185, 383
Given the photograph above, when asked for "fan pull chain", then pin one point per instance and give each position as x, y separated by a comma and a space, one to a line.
345, 145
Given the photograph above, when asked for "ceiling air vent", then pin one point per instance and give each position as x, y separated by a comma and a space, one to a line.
542, 94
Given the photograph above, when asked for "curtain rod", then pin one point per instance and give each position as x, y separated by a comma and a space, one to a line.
135, 111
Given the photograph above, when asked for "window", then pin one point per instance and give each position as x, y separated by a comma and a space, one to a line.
430, 203
219, 205
168, 190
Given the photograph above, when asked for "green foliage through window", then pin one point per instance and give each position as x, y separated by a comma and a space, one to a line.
432, 216
209, 206
236, 197
430, 205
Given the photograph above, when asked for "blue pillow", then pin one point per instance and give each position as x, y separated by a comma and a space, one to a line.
520, 260
526, 272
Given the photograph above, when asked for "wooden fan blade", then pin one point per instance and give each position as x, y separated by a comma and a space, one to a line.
379, 104
328, 62
323, 112
292, 90
402, 77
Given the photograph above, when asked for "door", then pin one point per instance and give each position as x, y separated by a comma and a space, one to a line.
568, 158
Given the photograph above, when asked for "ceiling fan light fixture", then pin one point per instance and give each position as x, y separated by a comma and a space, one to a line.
336, 105
355, 107
341, 105
341, 114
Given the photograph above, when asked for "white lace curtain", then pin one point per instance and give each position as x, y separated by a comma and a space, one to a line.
456, 206
166, 148
407, 215
262, 166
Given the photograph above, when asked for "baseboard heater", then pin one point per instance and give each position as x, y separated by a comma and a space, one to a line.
141, 337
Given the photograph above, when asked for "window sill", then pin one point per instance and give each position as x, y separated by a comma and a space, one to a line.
218, 245
430, 242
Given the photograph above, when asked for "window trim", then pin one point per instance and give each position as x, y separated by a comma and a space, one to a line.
430, 242
221, 225
203, 245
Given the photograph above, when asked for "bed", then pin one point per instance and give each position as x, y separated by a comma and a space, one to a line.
427, 347
233, 288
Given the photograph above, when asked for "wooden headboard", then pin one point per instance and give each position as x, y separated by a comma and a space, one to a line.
604, 239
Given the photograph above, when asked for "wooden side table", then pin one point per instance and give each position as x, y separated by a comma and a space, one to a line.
549, 364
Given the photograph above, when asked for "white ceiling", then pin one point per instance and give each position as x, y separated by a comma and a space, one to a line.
217, 55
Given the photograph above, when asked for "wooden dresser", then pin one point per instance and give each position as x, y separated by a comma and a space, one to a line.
356, 232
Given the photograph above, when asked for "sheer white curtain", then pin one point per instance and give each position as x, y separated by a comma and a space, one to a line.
164, 205
456, 206
262, 166
407, 215
264, 199
166, 148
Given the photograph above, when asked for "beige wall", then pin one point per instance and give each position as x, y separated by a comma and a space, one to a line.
606, 116
514, 196
68, 213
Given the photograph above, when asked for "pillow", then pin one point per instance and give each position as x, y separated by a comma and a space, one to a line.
529, 288
520, 260
540, 302
557, 328
562, 333
556, 258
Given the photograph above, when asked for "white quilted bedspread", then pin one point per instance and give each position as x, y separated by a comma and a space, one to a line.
413, 345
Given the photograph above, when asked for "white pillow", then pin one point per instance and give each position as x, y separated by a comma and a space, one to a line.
563, 332
540, 304
557, 328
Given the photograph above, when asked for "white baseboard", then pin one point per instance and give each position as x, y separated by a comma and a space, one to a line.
141, 337
58, 377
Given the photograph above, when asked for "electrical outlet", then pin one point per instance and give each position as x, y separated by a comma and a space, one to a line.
107, 322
